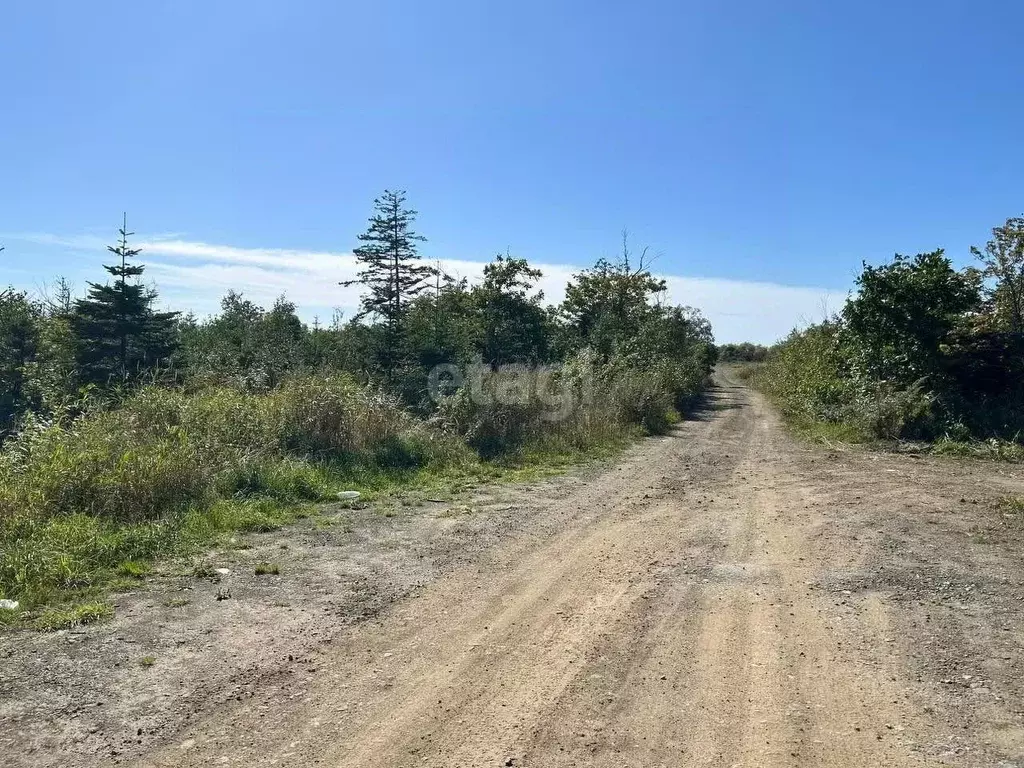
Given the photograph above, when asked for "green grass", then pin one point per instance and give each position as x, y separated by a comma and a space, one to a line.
134, 569
203, 570
991, 450
267, 569
68, 617
147, 661
68, 563
831, 433
62, 565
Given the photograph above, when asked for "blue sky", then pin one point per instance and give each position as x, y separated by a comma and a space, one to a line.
762, 149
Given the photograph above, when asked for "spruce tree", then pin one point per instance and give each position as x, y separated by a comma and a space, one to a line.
119, 334
392, 272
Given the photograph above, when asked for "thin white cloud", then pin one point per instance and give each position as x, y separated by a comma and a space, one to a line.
72, 242
195, 275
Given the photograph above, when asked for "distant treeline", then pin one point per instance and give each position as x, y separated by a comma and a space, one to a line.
742, 353
58, 350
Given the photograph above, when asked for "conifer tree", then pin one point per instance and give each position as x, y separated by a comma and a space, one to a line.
392, 273
119, 334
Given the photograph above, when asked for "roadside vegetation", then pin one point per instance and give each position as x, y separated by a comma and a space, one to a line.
129, 434
922, 352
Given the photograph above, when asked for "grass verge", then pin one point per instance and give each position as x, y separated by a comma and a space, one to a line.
834, 433
61, 568
88, 504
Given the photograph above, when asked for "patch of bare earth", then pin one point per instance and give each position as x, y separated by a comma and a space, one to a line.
723, 596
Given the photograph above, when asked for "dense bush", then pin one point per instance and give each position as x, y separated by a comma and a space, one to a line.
742, 353
917, 353
162, 450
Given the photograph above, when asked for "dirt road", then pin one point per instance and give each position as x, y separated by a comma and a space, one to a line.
723, 596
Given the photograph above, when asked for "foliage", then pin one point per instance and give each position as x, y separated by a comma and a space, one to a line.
903, 313
606, 305
806, 374
120, 335
392, 273
577, 406
742, 353
514, 325
70, 617
19, 342
245, 344
130, 434
916, 354
1003, 265
121, 484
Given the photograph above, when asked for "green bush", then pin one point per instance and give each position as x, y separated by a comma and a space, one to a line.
813, 378
805, 375
489, 423
885, 411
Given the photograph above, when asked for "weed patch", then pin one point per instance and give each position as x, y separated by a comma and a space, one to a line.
72, 616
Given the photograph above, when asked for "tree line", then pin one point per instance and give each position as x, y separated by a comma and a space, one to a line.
57, 351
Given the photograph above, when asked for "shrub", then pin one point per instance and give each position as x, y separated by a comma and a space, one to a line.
804, 375
883, 410
100, 466
330, 415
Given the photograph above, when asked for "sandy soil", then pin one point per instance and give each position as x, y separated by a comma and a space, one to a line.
722, 596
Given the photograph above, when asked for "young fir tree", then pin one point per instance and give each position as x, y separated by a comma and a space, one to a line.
392, 272
119, 334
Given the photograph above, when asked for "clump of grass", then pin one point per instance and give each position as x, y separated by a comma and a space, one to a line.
592, 404
285, 480
267, 569
100, 496
147, 661
73, 616
177, 602
1013, 510
993, 450
134, 569
203, 570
